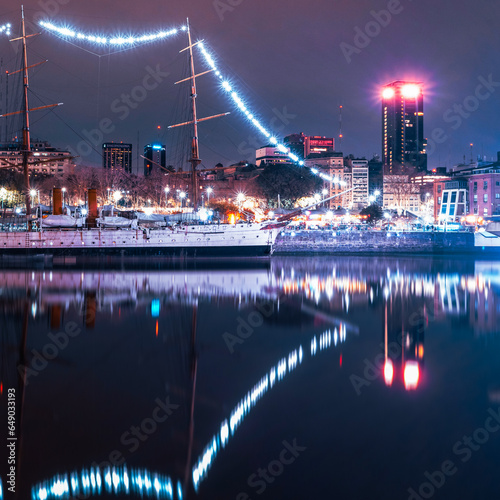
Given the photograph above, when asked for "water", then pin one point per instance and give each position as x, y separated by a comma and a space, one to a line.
300, 378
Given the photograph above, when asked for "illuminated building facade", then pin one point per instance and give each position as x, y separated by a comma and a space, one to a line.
154, 154
270, 155
403, 143
43, 152
454, 201
359, 171
305, 145
332, 164
117, 155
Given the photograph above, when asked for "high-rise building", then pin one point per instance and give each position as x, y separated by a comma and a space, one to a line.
154, 154
117, 155
403, 143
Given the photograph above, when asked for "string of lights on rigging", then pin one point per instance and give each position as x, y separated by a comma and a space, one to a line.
5, 28
78, 35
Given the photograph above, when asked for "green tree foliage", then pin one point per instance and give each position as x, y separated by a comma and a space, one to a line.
290, 182
374, 212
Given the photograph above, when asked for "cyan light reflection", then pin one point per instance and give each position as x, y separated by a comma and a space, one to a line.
110, 481
242, 409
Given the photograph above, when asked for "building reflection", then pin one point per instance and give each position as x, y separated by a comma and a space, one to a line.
326, 300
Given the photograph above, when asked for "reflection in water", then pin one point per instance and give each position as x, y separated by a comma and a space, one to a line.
323, 296
115, 481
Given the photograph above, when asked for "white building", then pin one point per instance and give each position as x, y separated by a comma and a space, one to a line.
270, 156
400, 194
360, 192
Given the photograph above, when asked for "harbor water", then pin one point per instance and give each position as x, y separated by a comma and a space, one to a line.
290, 378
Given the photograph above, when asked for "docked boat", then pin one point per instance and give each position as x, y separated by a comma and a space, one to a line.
94, 235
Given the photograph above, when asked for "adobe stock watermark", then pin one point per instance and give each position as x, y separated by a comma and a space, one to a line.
456, 114
363, 37
121, 108
247, 326
263, 477
463, 449
133, 437
277, 125
223, 6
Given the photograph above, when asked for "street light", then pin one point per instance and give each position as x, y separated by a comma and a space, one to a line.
167, 190
324, 193
182, 195
63, 191
317, 197
240, 198
209, 192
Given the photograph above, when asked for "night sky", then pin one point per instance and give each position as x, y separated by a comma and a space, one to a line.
295, 62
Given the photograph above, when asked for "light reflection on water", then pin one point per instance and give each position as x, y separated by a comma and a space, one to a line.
217, 341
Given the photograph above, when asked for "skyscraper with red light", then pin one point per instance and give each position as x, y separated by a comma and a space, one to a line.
403, 143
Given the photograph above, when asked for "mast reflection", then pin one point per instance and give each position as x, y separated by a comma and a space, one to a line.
404, 301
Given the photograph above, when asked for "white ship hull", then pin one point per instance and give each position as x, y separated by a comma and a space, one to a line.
224, 240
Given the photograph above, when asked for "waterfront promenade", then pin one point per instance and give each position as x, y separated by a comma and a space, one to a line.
385, 242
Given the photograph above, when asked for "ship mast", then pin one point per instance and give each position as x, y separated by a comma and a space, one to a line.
195, 154
26, 151
26, 146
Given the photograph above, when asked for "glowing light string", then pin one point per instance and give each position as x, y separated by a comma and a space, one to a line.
97, 481
108, 481
70, 34
5, 28
277, 373
115, 41
243, 107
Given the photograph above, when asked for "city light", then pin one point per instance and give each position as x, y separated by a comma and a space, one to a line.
128, 40
5, 29
388, 372
411, 375
410, 91
117, 196
388, 93
120, 40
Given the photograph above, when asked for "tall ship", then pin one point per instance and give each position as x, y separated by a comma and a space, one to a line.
94, 234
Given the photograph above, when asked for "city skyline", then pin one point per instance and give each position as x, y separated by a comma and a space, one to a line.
92, 88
